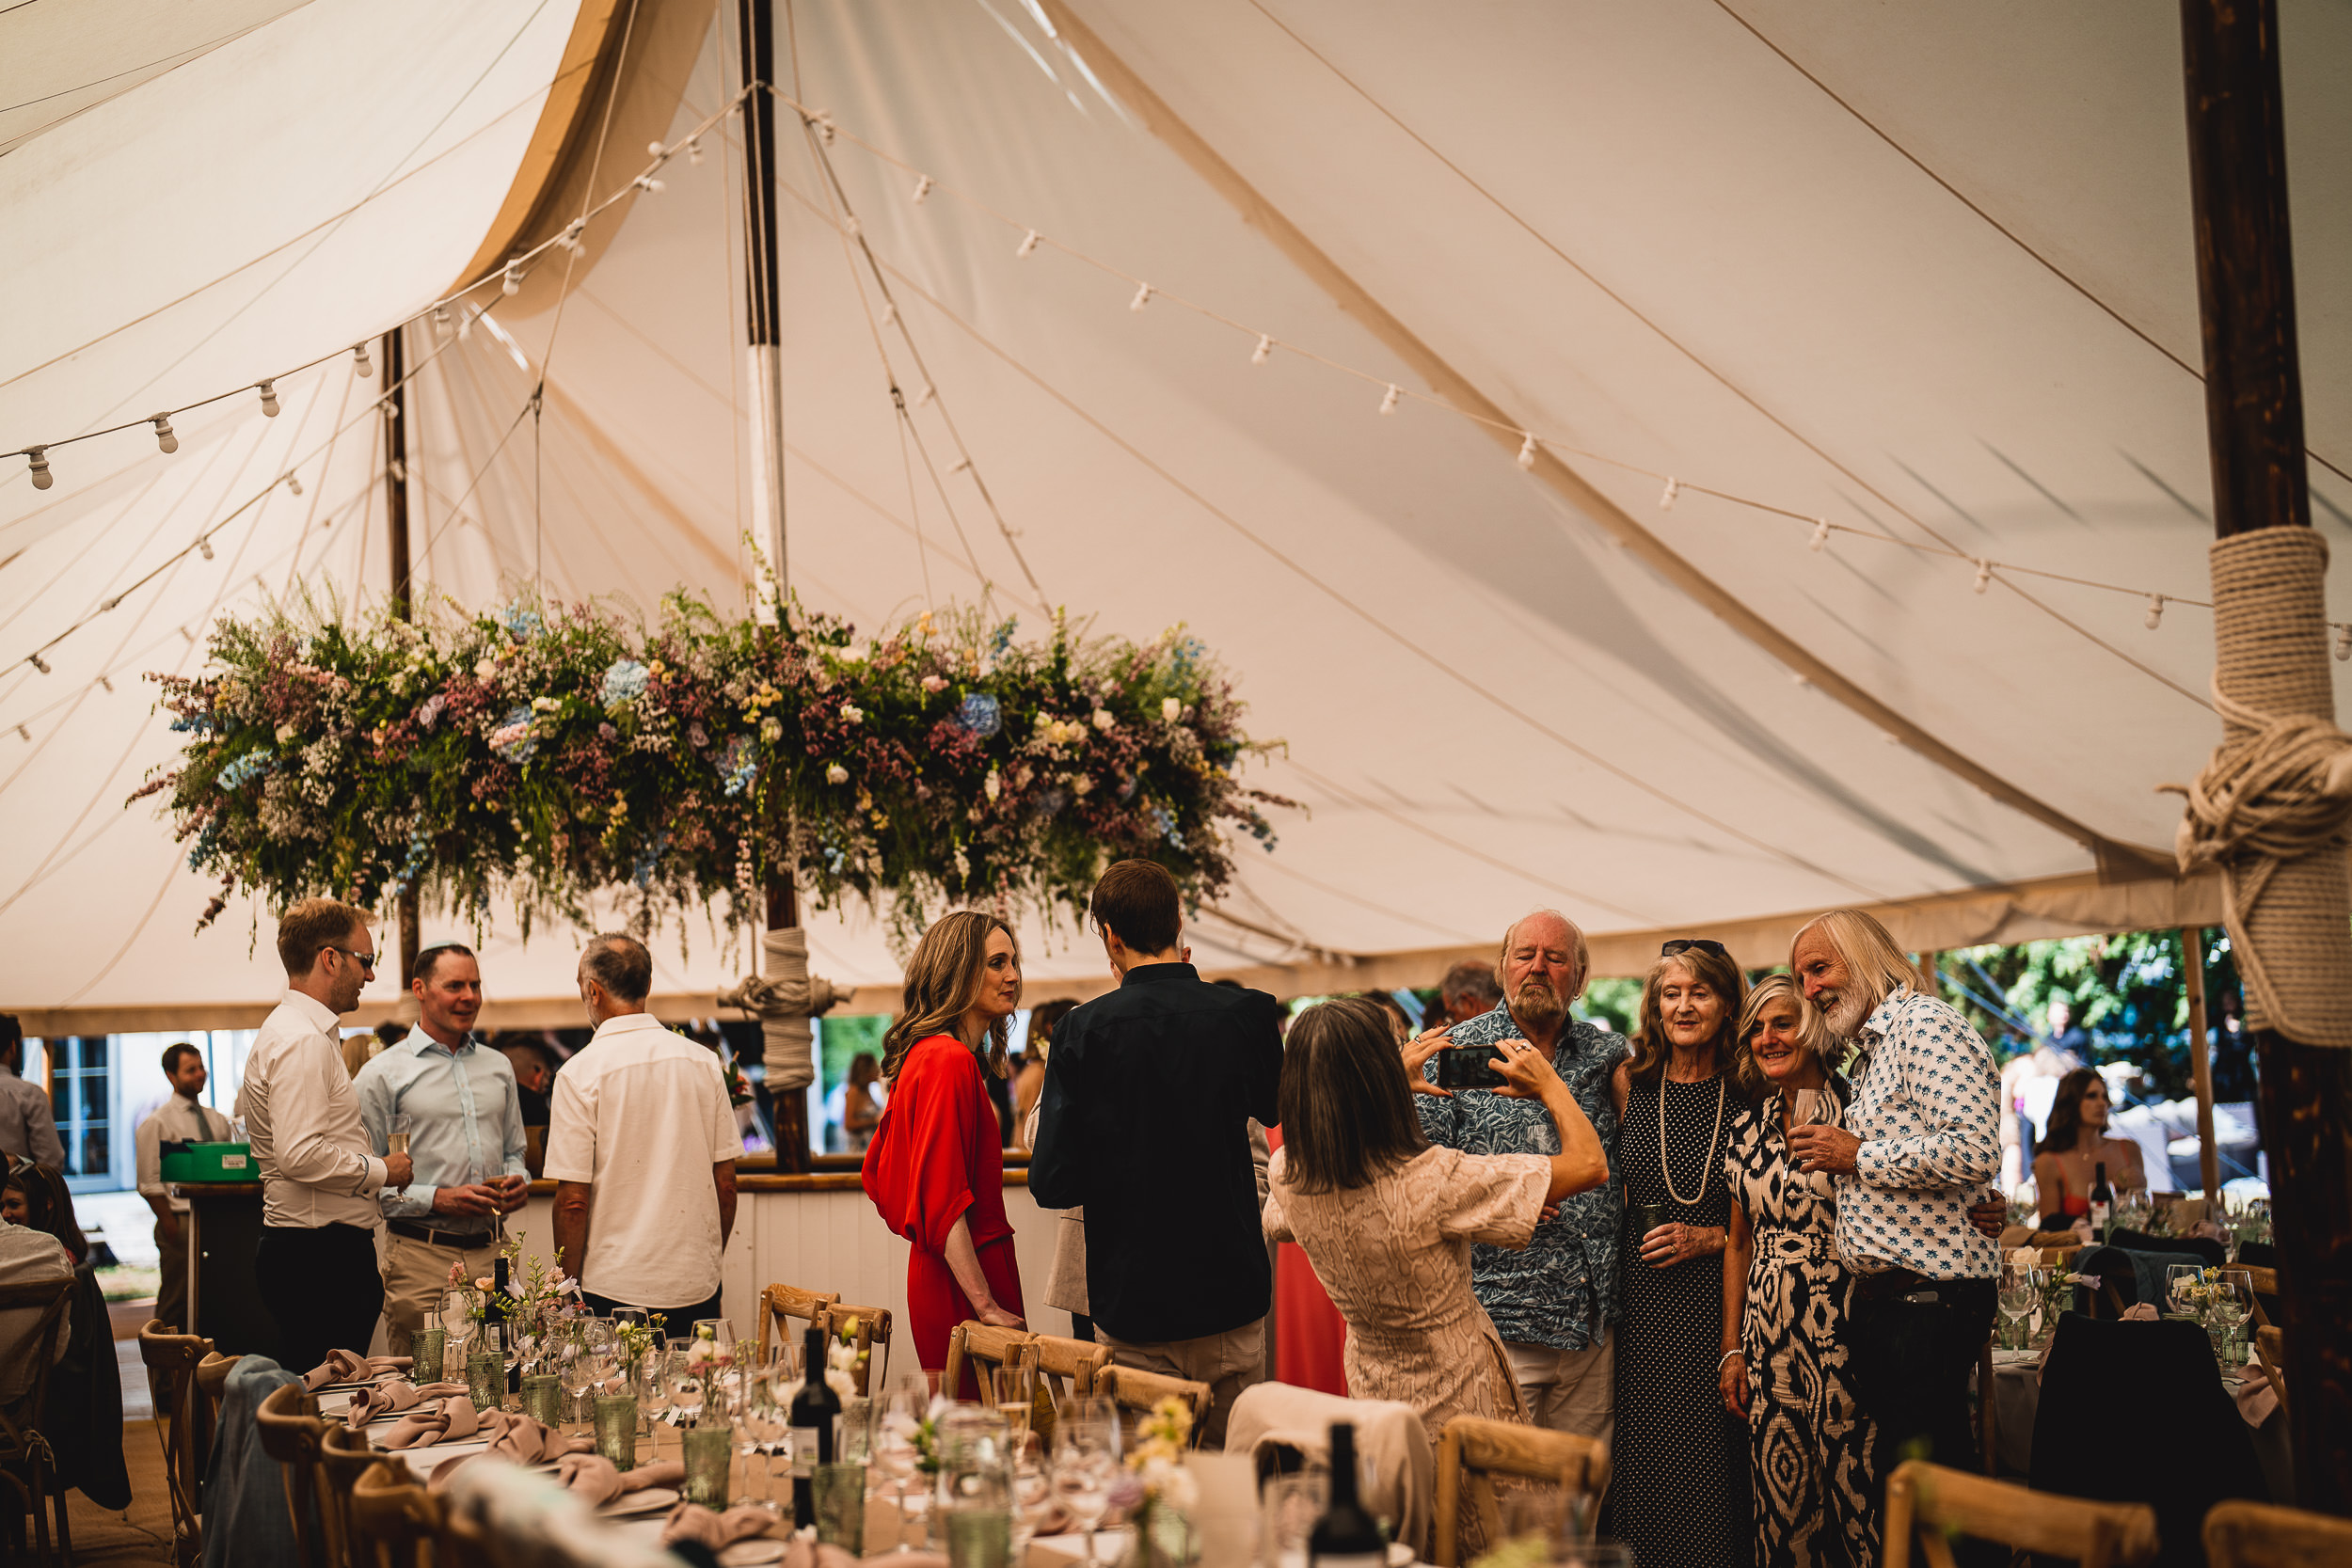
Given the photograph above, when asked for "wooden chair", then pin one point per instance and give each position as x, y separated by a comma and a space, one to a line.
987, 1349
2272, 1344
293, 1433
25, 1453
1133, 1388
1069, 1367
1476, 1448
873, 1329
780, 1303
179, 1362
395, 1522
1937, 1502
2256, 1535
344, 1456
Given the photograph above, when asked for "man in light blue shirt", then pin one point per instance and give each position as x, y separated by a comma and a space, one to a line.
464, 1132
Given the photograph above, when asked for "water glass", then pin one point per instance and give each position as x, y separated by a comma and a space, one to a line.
709, 1451
893, 1444
543, 1398
840, 1493
2019, 1294
429, 1349
617, 1429
485, 1366
1086, 1462
976, 1501
2185, 1291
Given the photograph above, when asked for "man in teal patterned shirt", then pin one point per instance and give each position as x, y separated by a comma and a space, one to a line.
1552, 1302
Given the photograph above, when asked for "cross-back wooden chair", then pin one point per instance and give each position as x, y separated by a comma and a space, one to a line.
1473, 1450
983, 1350
780, 1304
178, 1363
1935, 1503
1069, 1367
1133, 1388
344, 1456
25, 1454
293, 1433
394, 1521
873, 1329
212, 1382
2256, 1535
2272, 1343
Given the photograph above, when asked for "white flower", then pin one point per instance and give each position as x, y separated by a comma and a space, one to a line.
484, 668
1103, 719
852, 712
287, 731
545, 705
836, 773
1171, 709
991, 786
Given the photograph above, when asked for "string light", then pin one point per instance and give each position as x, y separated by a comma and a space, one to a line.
1820, 541
187, 635
822, 119
2343, 643
1527, 450
658, 150
362, 365
512, 283
889, 312
1143, 296
204, 545
922, 188
1666, 496
440, 320
850, 226
269, 397
1263, 352
1028, 244
163, 437
24, 734
1985, 574
925, 395
40, 664
695, 150
959, 464
1387, 401
108, 684
2155, 610
294, 482
43, 478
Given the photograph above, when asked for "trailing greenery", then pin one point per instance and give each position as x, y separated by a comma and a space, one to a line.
546, 752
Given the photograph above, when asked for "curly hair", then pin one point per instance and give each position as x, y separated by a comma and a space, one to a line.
944, 977
1715, 971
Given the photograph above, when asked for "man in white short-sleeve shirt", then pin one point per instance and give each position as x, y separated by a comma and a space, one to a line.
636, 1120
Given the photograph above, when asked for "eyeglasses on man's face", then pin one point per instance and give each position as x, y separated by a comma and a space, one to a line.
365, 960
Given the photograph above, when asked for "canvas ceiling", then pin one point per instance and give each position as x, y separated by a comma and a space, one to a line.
1923, 271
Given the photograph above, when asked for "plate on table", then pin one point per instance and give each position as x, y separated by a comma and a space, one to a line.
745, 1554
652, 1497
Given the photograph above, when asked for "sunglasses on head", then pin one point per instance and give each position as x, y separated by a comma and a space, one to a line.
1683, 944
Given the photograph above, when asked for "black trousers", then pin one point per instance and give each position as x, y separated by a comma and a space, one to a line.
677, 1322
323, 1286
1911, 1342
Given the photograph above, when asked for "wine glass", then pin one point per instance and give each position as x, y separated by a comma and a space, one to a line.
1086, 1459
2185, 1289
1032, 1495
903, 1409
2233, 1298
722, 1333
760, 1422
457, 1321
594, 1354
653, 1393
2017, 1298
686, 1379
1013, 1387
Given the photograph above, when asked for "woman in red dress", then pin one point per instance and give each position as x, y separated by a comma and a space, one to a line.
936, 1167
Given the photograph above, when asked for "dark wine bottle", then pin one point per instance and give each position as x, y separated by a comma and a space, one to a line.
2101, 1203
494, 1311
816, 1411
1346, 1536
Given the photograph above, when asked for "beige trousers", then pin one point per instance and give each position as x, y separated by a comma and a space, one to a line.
1568, 1390
1227, 1362
416, 1277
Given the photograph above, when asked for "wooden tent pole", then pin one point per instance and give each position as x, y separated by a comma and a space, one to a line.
2200, 1062
403, 566
2254, 423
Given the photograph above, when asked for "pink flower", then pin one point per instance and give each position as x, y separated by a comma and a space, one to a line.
934, 683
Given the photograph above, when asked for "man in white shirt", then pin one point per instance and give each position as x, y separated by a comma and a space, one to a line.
639, 1117
182, 1118
315, 1266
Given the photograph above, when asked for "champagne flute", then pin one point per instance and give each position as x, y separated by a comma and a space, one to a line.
1086, 1456
893, 1444
396, 1133
1013, 1386
653, 1393
2016, 1299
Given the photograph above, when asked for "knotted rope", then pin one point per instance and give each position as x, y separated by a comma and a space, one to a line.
786, 998
2270, 808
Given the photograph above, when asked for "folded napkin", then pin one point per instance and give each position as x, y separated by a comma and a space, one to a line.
595, 1477
453, 1422
389, 1398
2256, 1398
2141, 1312
527, 1442
693, 1522
343, 1366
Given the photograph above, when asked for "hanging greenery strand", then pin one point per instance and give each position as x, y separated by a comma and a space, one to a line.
546, 753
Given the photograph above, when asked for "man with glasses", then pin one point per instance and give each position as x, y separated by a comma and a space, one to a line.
1553, 1301
315, 1266
464, 1128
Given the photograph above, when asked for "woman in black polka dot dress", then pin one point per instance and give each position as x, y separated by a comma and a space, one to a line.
1677, 1491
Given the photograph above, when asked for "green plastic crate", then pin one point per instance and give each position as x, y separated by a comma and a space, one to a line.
211, 1163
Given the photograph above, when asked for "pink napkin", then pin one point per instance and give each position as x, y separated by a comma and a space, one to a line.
2141, 1312
453, 1422
2256, 1399
693, 1522
527, 1442
385, 1399
344, 1366
594, 1477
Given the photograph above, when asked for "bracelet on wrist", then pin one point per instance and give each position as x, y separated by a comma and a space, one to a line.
1727, 1355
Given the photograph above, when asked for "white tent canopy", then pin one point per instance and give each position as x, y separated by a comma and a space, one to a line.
1926, 276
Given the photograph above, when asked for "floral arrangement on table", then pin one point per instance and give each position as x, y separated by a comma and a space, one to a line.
2057, 1294
1158, 1494
548, 751
638, 1337
844, 1362
536, 1294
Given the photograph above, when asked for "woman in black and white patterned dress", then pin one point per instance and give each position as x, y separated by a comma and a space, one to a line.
1811, 1483
1677, 1484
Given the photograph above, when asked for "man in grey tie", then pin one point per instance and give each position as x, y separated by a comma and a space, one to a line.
182, 1118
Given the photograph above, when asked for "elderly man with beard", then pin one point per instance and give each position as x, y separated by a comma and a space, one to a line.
1920, 1141
1554, 1301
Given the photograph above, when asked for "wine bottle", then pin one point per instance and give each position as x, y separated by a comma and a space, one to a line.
494, 1311
1346, 1536
816, 1411
2101, 1203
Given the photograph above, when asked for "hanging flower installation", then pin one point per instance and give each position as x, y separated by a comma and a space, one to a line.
548, 754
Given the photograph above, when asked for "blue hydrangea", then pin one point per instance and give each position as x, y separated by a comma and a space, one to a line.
518, 750
625, 682
741, 765
1003, 639
643, 873
244, 769
201, 723
1167, 825
980, 714
521, 624
1185, 658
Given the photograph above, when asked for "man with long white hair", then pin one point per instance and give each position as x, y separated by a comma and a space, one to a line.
1920, 1141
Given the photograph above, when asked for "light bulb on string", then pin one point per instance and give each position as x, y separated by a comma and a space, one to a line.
440, 320
43, 478
1263, 352
1388, 399
294, 483
922, 188
512, 284
204, 545
695, 150
360, 364
269, 397
108, 684
889, 312
1028, 244
1984, 575
40, 664
925, 395
24, 734
1527, 450
2155, 610
1820, 541
1143, 297
163, 437
2343, 643
647, 183
656, 150
1666, 496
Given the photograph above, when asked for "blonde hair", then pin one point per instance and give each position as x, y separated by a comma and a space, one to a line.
1576, 933
1812, 1031
944, 977
1876, 965
1718, 974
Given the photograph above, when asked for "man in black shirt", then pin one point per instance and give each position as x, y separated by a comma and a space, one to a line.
1145, 1122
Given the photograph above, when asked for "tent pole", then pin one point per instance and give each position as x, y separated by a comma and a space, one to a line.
756, 37
2272, 655
2200, 1062
396, 538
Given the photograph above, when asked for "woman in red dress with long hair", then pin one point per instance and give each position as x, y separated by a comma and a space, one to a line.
936, 1167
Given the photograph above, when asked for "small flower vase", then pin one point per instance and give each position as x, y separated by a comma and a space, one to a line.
840, 1495
1163, 1538
543, 1398
708, 1450
617, 1429
429, 1349
486, 1379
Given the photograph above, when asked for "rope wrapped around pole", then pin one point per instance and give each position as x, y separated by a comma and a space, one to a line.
785, 997
2271, 806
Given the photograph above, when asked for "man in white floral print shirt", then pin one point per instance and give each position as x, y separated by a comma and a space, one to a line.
1920, 1142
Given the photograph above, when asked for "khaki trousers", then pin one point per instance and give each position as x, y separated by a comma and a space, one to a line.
1568, 1390
416, 1277
1227, 1362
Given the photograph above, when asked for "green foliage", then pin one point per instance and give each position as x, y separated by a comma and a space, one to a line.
1613, 1003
